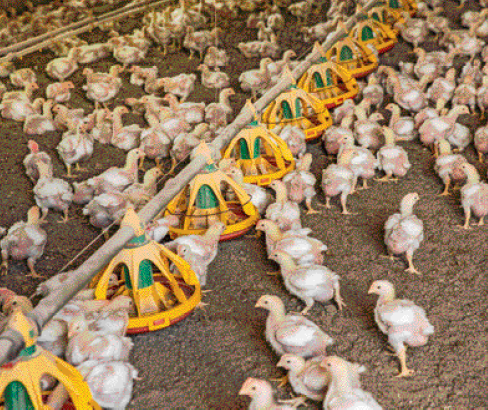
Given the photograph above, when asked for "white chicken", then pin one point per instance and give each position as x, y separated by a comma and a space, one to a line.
474, 196
24, 240
337, 179
285, 213
33, 158
392, 159
51, 192
404, 231
402, 320
309, 283
296, 243
75, 147
345, 392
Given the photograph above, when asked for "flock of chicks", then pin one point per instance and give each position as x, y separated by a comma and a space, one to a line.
108, 195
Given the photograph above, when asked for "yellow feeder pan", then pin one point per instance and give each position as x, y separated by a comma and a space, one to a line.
370, 31
20, 380
202, 203
161, 298
328, 81
409, 6
358, 59
298, 108
386, 15
260, 154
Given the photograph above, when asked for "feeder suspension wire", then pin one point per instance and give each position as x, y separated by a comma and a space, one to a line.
11, 342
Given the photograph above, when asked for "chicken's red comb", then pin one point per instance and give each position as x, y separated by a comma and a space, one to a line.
33, 146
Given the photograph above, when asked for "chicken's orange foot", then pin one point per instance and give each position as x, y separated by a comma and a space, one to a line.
274, 273
65, 218
295, 402
282, 380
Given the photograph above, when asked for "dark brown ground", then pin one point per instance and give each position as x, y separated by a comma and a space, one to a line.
201, 362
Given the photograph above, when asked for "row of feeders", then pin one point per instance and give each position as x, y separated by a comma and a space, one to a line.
162, 285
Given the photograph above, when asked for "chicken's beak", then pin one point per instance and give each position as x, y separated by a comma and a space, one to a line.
371, 290
243, 391
280, 363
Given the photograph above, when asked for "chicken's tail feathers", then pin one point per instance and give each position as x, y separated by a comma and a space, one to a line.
429, 330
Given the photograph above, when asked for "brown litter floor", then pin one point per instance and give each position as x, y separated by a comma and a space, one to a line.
201, 362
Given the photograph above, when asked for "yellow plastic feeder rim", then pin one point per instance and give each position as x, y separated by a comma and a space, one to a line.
20, 379
260, 154
358, 59
329, 82
161, 298
370, 31
386, 15
403, 5
298, 108
201, 203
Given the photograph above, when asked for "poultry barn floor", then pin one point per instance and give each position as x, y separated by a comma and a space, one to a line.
202, 362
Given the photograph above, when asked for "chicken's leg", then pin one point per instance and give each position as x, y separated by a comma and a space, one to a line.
173, 166
296, 401
365, 184
387, 178
404, 371
65, 218
467, 217
43, 219
447, 183
79, 168
343, 204
310, 303
338, 297
4, 265
308, 203
68, 171
411, 268
327, 203
283, 380
33, 273
480, 157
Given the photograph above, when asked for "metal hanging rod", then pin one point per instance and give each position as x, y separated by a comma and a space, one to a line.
37, 43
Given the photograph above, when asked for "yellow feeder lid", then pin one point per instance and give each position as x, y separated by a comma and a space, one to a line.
298, 108
409, 6
202, 203
20, 379
328, 81
386, 15
161, 298
370, 31
358, 59
261, 155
